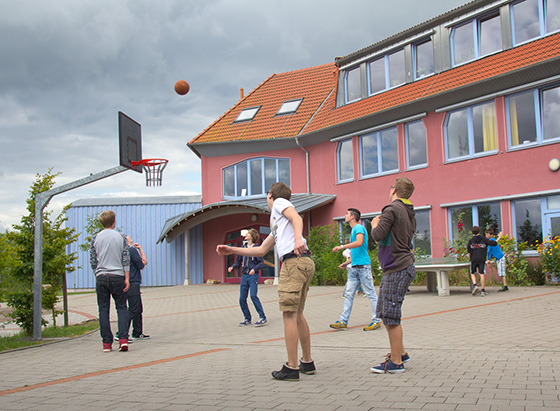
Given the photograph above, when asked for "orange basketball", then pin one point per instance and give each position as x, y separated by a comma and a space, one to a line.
182, 87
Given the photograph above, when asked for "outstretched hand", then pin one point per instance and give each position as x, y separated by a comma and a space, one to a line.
224, 249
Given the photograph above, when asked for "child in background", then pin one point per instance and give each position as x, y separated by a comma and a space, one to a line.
477, 247
498, 254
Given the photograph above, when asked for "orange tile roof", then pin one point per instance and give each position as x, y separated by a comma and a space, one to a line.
516, 58
312, 84
316, 84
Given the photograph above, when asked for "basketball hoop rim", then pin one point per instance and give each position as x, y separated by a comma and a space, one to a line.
149, 162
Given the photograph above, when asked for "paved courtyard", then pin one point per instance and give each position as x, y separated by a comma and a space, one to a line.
498, 352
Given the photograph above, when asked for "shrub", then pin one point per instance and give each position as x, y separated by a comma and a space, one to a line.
549, 252
321, 241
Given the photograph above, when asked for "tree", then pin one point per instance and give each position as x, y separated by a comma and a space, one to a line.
55, 260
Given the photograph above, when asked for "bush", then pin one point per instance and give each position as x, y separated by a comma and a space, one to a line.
321, 241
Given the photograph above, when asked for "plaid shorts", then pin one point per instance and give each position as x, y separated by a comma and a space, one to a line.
391, 295
293, 284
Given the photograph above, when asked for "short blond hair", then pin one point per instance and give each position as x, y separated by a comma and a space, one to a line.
107, 218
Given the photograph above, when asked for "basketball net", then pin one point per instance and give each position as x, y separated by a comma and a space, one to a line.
153, 167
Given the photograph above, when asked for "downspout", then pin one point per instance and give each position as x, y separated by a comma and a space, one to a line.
306, 164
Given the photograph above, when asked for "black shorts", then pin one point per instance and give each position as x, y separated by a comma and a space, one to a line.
477, 264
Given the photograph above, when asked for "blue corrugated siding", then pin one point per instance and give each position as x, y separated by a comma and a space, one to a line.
143, 222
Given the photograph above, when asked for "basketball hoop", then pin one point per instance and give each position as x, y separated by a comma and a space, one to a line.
153, 167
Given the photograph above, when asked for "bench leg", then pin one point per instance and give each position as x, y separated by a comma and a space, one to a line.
443, 283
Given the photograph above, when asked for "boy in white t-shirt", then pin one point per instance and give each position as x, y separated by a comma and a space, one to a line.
297, 270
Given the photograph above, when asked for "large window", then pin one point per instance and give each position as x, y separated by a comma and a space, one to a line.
534, 18
533, 116
423, 55
352, 85
485, 216
536, 218
416, 153
254, 177
386, 72
345, 161
528, 221
422, 236
471, 131
378, 152
476, 39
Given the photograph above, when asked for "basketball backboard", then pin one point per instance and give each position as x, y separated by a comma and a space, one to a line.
130, 142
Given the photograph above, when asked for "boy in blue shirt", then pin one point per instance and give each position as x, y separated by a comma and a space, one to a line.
496, 252
358, 274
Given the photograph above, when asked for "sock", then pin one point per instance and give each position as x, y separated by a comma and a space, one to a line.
474, 285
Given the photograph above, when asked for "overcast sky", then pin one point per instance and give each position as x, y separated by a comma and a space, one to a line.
67, 67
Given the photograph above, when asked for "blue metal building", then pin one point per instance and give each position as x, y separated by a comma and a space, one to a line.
143, 218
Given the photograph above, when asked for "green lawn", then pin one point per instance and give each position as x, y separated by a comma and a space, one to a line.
48, 334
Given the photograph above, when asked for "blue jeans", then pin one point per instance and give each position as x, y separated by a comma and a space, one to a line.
250, 282
135, 309
359, 276
105, 287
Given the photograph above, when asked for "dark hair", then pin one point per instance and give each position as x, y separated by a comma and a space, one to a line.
280, 190
356, 213
490, 231
475, 230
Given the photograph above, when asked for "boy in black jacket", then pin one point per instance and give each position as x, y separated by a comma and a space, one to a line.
477, 247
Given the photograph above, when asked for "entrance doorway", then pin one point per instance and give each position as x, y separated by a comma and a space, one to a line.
235, 239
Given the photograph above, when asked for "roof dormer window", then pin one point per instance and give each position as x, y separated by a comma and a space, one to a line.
289, 106
247, 114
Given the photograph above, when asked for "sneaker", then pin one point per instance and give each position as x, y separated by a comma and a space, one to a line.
123, 344
261, 322
372, 326
504, 288
307, 367
339, 325
475, 290
286, 374
130, 339
244, 323
140, 337
107, 347
388, 367
404, 358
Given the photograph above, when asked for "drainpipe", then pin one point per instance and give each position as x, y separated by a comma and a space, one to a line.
306, 164
308, 182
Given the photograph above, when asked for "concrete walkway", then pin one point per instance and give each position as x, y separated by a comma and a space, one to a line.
498, 352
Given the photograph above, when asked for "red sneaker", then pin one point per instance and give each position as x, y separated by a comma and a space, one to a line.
107, 347
123, 344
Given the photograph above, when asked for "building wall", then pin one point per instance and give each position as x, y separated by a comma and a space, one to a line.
505, 173
143, 222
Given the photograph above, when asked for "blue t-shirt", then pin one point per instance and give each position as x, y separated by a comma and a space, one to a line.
360, 254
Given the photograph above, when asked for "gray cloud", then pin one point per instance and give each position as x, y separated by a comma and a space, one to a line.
69, 66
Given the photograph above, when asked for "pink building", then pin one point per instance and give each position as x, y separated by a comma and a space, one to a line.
466, 105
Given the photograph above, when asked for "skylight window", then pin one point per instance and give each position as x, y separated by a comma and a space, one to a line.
247, 114
288, 107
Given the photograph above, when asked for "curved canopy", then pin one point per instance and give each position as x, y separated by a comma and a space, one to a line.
177, 225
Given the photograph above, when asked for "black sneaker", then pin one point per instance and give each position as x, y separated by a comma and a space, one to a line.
141, 337
307, 367
504, 288
286, 374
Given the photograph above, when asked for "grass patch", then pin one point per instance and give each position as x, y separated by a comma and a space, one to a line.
48, 334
